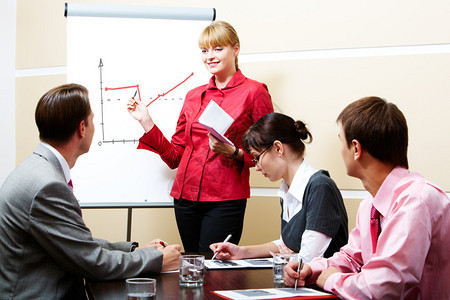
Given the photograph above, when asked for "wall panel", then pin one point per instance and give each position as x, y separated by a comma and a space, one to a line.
314, 90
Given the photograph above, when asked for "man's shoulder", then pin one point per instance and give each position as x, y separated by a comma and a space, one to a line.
415, 193
32, 173
37, 166
415, 184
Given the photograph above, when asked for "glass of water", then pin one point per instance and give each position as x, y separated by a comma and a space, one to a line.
141, 289
279, 262
192, 270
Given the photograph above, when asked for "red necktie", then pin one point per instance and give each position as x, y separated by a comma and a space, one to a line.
375, 228
70, 184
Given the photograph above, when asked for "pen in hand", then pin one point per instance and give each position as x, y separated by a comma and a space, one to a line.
217, 252
135, 103
299, 268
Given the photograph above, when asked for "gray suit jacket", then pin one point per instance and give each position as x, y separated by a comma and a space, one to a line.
45, 247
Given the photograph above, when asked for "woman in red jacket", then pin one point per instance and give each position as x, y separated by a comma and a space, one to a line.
211, 186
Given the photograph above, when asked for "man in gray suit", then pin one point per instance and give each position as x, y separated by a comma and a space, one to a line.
45, 248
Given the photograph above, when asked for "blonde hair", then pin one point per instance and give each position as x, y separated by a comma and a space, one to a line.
219, 33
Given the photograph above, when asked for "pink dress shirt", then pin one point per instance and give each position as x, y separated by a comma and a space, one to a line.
412, 259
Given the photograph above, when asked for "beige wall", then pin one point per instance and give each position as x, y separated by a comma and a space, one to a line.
261, 224
312, 89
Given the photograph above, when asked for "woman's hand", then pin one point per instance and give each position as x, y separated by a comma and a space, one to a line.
220, 147
227, 251
138, 111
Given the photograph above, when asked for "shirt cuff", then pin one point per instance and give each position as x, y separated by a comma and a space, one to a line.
277, 242
134, 245
330, 283
153, 140
317, 265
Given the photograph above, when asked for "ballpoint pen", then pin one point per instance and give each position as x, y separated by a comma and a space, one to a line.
299, 268
226, 240
135, 103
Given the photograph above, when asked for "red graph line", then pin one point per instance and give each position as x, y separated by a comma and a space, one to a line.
123, 87
139, 92
163, 94
126, 87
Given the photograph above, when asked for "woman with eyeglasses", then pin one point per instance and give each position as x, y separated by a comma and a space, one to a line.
314, 219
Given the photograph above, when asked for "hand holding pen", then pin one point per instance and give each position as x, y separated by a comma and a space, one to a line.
217, 252
139, 112
299, 269
133, 103
157, 244
297, 273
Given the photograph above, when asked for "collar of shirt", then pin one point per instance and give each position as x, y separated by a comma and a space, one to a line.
62, 161
386, 188
237, 79
293, 196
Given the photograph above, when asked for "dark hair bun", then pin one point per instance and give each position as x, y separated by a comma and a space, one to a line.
303, 132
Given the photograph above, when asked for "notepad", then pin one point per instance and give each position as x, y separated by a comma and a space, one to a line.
216, 121
241, 263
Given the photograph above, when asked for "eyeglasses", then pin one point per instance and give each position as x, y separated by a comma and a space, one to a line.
256, 159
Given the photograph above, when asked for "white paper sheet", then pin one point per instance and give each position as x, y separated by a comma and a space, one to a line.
216, 120
275, 293
242, 263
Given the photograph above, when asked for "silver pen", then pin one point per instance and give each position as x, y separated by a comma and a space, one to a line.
299, 268
226, 240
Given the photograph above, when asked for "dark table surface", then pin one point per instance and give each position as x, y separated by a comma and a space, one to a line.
168, 286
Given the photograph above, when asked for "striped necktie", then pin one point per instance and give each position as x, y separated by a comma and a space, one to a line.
375, 228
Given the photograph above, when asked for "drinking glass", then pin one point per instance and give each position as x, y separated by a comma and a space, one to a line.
141, 289
279, 262
192, 270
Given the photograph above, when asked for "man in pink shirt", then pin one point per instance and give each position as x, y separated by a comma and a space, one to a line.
399, 248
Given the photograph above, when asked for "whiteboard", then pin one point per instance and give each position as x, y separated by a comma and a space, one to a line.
113, 57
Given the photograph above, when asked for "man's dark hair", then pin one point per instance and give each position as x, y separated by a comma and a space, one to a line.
379, 126
60, 111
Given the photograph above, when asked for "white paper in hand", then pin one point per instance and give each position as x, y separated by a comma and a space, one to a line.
216, 120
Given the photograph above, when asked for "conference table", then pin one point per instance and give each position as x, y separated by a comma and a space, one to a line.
168, 286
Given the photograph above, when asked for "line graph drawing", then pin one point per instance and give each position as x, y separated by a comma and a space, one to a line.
163, 94
126, 87
122, 96
115, 171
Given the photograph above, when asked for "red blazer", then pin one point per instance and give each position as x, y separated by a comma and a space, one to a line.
202, 174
